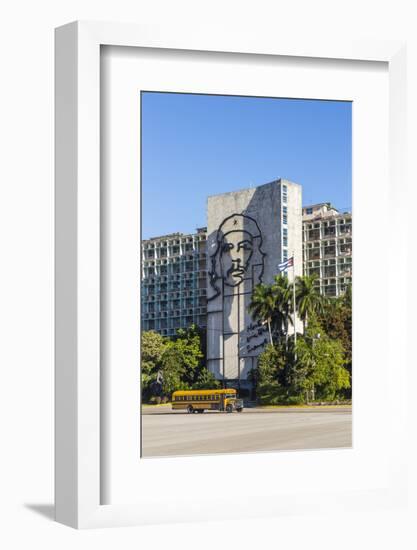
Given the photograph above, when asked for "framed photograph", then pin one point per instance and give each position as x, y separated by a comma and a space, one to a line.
224, 329
221, 322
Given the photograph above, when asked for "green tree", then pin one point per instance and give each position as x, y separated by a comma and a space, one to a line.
268, 388
270, 375
347, 297
188, 343
206, 381
173, 370
263, 305
320, 366
153, 346
271, 304
336, 321
282, 290
308, 299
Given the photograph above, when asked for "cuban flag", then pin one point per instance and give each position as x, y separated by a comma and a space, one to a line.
285, 265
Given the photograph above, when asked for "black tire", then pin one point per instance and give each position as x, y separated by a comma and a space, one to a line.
190, 409
200, 411
239, 410
229, 408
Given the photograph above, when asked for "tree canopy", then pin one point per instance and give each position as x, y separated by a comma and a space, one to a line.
319, 365
179, 362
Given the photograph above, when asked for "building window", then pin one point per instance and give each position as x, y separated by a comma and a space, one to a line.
285, 237
284, 215
313, 235
309, 210
284, 193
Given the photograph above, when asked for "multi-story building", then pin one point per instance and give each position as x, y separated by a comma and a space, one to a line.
174, 282
175, 266
327, 247
250, 232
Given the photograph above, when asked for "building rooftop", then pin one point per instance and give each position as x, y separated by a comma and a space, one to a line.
319, 205
321, 210
278, 180
199, 230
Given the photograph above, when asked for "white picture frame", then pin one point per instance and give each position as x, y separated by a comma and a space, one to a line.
79, 409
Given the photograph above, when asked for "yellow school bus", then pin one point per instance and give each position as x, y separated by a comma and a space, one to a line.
207, 400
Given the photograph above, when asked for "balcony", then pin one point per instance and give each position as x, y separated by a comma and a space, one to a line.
345, 229
330, 290
329, 251
314, 254
313, 235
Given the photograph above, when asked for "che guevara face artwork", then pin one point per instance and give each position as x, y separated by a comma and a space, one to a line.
238, 248
236, 251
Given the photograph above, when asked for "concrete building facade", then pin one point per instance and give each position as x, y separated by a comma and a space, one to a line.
177, 269
174, 282
327, 247
249, 232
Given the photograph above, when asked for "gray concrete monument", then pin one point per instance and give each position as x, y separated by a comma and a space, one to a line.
249, 233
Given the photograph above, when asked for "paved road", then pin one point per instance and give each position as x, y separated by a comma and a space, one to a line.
168, 433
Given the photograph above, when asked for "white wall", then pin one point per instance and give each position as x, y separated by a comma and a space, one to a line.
26, 301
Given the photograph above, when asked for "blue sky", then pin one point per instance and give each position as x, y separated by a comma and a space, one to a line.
199, 145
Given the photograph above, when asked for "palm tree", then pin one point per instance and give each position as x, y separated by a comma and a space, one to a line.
308, 298
262, 305
282, 290
272, 304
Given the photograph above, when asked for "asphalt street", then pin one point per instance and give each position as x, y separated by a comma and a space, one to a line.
175, 433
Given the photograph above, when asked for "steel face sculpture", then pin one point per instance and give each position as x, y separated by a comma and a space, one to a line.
235, 268
238, 251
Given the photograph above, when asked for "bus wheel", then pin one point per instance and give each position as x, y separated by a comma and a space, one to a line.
239, 410
200, 410
229, 408
190, 409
